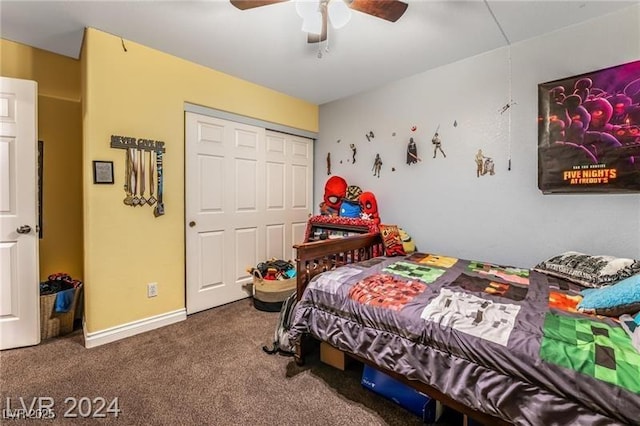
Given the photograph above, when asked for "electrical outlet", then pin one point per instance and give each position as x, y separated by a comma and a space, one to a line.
152, 289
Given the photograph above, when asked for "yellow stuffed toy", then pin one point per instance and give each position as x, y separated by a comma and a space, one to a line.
407, 243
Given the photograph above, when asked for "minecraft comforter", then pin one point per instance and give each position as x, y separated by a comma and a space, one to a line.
506, 341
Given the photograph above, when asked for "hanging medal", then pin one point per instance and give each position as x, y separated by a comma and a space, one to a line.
159, 209
127, 179
143, 200
134, 177
152, 200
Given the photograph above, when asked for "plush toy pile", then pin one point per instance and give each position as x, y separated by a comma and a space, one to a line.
343, 200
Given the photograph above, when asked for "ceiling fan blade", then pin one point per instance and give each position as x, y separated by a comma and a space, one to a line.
250, 4
317, 38
390, 10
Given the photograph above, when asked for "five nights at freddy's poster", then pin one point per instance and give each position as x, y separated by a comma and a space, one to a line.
589, 132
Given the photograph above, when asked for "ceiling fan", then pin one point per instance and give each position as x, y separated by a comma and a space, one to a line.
323, 10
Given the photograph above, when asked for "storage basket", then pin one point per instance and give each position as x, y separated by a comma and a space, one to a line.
52, 323
268, 295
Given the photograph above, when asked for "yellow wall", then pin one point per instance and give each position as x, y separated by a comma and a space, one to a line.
60, 127
141, 93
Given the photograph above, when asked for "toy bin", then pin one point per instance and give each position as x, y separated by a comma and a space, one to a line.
52, 323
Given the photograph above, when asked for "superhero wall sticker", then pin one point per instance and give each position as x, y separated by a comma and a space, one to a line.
589, 132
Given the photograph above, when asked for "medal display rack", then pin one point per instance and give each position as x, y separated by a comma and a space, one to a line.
143, 166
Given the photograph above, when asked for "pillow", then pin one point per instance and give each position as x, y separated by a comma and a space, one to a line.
614, 300
349, 208
391, 240
587, 270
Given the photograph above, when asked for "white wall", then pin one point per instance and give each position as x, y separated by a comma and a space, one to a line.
447, 209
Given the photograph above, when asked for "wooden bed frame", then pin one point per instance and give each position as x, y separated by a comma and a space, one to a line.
316, 257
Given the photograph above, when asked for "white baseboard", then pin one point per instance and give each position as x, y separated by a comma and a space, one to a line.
97, 338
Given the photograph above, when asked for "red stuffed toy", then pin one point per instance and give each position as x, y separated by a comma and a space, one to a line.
334, 191
369, 207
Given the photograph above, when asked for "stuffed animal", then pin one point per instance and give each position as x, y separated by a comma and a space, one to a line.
335, 190
369, 207
325, 210
407, 243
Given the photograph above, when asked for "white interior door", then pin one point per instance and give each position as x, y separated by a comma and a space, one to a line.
248, 194
19, 287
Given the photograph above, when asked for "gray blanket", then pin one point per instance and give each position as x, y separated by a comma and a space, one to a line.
505, 341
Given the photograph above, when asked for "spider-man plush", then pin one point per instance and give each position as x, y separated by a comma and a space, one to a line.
335, 190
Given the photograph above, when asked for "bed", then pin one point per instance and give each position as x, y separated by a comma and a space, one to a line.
503, 345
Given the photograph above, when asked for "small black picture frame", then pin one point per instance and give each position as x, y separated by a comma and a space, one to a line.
102, 172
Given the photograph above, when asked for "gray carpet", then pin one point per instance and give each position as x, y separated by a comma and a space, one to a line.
209, 369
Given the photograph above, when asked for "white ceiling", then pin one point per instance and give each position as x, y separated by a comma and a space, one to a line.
265, 45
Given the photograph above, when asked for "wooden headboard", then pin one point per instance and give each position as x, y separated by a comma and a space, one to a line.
319, 256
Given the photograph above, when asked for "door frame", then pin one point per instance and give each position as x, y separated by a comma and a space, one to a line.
243, 119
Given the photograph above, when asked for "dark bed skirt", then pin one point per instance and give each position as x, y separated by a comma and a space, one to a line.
267, 306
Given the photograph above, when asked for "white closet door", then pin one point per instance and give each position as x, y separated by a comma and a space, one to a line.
289, 177
248, 194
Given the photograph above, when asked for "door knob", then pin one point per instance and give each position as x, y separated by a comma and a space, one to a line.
192, 224
24, 229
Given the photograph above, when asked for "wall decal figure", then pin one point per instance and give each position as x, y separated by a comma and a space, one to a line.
506, 107
412, 152
488, 166
479, 163
437, 144
353, 152
328, 163
377, 165
484, 164
369, 135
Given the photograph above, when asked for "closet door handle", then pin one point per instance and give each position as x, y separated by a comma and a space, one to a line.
24, 229
192, 224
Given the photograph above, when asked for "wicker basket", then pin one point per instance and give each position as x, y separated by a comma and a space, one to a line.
54, 324
268, 295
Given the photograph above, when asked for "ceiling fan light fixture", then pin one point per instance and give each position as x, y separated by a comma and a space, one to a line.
339, 13
307, 8
316, 14
309, 11
312, 24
